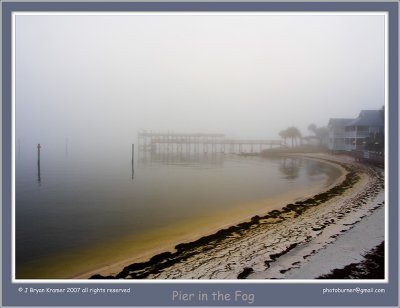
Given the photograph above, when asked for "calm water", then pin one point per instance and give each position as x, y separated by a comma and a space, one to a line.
76, 204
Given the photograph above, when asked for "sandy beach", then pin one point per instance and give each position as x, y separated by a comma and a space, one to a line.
289, 242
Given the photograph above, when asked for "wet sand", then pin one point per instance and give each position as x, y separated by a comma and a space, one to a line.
252, 248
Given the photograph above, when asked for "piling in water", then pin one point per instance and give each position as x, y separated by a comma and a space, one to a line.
38, 162
133, 156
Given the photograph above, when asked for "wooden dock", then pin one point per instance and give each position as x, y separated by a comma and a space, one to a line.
201, 142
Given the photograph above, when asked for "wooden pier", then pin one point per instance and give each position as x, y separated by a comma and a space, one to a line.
201, 142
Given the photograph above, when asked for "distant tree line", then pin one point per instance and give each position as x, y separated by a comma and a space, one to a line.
320, 133
293, 133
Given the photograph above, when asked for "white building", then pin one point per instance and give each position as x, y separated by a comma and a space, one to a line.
358, 133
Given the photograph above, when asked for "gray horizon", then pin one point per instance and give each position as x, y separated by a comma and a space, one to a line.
98, 80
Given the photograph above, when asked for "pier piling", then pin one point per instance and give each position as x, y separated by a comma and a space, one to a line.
38, 161
133, 157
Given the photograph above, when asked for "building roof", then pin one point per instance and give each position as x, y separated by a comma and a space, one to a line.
339, 121
368, 118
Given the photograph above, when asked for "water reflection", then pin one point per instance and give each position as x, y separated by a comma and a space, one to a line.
38, 163
315, 168
93, 202
181, 158
66, 147
290, 167
133, 171
39, 179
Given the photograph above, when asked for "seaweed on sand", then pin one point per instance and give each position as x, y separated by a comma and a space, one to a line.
372, 267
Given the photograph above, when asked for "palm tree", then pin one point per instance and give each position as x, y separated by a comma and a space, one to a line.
284, 134
294, 134
319, 132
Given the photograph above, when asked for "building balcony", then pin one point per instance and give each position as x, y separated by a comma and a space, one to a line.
357, 134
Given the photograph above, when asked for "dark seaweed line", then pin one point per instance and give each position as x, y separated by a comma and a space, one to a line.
186, 250
371, 267
376, 186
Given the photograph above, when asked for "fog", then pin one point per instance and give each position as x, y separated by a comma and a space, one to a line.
98, 80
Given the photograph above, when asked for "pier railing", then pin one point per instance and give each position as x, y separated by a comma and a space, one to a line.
201, 142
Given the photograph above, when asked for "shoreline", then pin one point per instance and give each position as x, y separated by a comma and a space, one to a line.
339, 245
151, 268
129, 248
219, 222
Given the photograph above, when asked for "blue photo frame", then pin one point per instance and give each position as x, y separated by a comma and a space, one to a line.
165, 294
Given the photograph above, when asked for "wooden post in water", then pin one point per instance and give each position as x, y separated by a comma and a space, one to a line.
133, 156
38, 162
66, 146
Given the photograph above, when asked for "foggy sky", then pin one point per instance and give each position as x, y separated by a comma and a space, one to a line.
101, 79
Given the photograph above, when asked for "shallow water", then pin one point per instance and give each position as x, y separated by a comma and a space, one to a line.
76, 207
